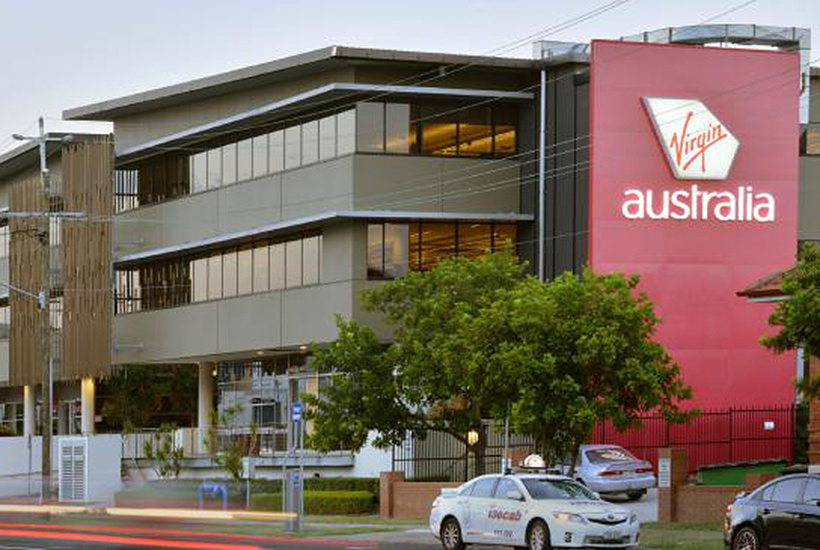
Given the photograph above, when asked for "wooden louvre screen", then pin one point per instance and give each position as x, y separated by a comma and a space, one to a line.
27, 257
86, 258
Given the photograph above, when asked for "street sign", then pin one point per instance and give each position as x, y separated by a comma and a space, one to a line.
296, 413
664, 473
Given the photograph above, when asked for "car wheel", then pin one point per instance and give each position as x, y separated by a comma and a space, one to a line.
746, 539
538, 536
635, 495
451, 535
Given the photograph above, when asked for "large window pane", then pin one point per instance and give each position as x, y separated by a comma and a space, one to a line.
397, 127
260, 155
199, 172
346, 132
327, 138
415, 246
277, 266
375, 250
439, 134
293, 147
277, 151
260, 268
293, 263
474, 239
505, 130
504, 236
310, 260
310, 142
396, 249
214, 168
229, 274
200, 279
244, 281
475, 133
438, 241
244, 160
229, 164
215, 277
370, 127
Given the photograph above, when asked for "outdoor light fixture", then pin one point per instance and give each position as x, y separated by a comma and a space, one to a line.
472, 437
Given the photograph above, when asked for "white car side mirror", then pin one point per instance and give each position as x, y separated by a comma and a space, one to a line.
514, 495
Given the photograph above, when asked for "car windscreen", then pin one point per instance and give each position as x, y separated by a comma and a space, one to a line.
561, 489
611, 454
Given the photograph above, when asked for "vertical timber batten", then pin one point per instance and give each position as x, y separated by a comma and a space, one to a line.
87, 258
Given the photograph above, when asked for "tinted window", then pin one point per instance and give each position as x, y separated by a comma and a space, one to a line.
614, 454
562, 489
505, 485
788, 490
484, 487
812, 493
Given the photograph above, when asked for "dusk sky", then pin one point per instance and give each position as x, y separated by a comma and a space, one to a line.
66, 54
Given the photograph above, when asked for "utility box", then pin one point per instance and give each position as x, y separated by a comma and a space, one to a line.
77, 456
293, 499
72, 455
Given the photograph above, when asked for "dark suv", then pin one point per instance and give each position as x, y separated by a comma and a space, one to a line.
784, 513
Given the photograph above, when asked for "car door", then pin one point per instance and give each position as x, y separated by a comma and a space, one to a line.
477, 528
779, 512
808, 520
507, 517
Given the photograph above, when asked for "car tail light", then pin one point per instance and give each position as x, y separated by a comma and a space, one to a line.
644, 470
611, 473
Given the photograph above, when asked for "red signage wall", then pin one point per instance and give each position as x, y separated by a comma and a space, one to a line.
664, 120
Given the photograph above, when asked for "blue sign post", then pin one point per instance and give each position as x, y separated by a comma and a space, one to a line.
296, 413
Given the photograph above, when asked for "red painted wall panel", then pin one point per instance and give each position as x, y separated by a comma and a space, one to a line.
692, 268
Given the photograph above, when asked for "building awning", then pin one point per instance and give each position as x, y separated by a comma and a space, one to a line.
308, 222
284, 108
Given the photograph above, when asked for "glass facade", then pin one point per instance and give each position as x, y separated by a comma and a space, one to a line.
258, 267
444, 129
393, 249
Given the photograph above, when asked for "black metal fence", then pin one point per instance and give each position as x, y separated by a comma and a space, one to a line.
713, 437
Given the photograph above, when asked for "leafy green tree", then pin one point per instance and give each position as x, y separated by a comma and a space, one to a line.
228, 451
163, 451
799, 316
475, 339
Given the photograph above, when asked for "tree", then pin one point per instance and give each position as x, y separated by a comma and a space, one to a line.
799, 316
476, 338
164, 452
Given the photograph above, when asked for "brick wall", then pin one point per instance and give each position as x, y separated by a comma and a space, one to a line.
407, 499
704, 504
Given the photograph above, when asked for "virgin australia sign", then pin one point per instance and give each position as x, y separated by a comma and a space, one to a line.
697, 146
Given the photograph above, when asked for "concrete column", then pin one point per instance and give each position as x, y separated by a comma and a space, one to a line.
87, 391
673, 470
205, 404
29, 408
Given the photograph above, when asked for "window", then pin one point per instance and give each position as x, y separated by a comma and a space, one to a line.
327, 138
476, 132
244, 265
548, 489
504, 235
474, 239
229, 164
214, 168
311, 251
260, 156
439, 133
788, 490
293, 264
276, 145
4, 241
811, 495
200, 279
199, 172
397, 128
229, 274
438, 241
370, 127
375, 250
244, 160
293, 147
504, 486
277, 266
396, 249
260, 268
215, 277
310, 142
346, 132
483, 488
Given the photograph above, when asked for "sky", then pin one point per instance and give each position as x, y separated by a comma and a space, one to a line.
60, 55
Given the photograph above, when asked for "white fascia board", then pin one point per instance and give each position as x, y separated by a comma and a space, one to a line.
316, 219
271, 108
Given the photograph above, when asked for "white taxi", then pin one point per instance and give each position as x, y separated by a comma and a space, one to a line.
537, 511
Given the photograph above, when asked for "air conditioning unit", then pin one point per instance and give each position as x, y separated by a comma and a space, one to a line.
73, 469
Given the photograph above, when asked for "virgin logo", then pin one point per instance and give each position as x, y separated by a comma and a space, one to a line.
697, 145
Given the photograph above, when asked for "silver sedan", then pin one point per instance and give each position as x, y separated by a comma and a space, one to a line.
610, 469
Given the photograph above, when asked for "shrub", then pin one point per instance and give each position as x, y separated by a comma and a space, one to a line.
321, 502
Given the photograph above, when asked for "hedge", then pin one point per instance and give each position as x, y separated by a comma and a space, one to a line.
321, 502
